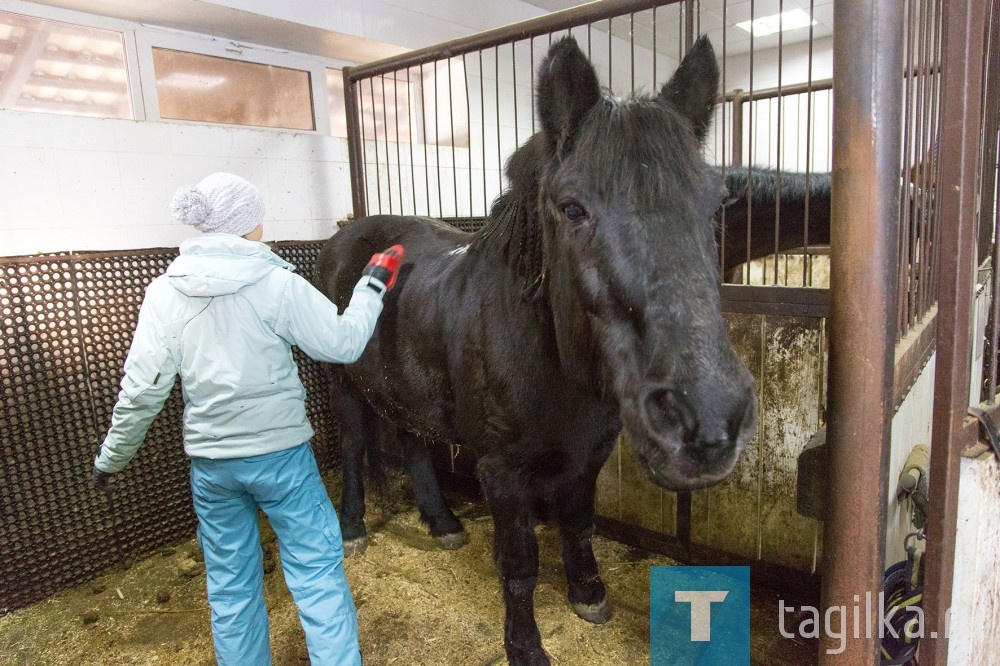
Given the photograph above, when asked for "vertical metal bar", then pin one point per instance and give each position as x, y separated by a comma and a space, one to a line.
413, 166
378, 171
920, 246
355, 149
468, 122
688, 25
609, 55
724, 125
750, 151
934, 203
385, 129
907, 216
437, 141
936, 109
780, 143
988, 219
655, 54
961, 90
454, 160
482, 126
423, 116
513, 65
737, 129
866, 147
496, 63
631, 42
807, 262
531, 73
399, 160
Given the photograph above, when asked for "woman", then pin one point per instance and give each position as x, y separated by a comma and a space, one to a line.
224, 317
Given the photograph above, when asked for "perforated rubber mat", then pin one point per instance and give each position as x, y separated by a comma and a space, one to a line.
67, 322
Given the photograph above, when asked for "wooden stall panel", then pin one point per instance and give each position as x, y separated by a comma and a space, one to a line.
791, 389
752, 514
725, 517
641, 502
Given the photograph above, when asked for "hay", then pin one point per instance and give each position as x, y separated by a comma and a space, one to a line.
416, 604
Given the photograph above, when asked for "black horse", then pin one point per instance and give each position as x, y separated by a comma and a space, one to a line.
767, 211
589, 301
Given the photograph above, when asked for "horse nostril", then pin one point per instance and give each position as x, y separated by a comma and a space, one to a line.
665, 408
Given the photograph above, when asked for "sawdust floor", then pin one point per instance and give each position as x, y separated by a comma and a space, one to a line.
416, 605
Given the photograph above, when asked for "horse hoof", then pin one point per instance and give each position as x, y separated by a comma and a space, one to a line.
452, 541
355, 546
594, 613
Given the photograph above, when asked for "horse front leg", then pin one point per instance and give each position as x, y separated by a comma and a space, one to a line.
515, 552
446, 529
574, 508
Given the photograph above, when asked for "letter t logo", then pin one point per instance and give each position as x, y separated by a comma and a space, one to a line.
701, 614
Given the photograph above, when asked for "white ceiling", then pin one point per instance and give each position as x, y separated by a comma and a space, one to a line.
710, 17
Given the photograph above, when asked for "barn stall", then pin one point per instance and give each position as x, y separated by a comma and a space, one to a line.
427, 133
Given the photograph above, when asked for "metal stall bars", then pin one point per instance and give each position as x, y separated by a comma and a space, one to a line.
445, 178
956, 189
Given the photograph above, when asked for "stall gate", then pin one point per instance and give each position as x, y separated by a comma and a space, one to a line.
431, 129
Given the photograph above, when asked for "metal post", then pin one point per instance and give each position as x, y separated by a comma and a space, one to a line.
961, 95
355, 151
868, 57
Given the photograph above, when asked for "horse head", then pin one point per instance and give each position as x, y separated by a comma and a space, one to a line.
630, 261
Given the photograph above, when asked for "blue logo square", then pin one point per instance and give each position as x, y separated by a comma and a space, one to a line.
699, 616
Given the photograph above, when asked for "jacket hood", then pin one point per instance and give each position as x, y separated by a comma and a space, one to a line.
221, 264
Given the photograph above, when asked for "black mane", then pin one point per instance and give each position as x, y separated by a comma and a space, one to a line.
767, 184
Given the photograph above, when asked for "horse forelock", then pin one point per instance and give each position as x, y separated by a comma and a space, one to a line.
641, 150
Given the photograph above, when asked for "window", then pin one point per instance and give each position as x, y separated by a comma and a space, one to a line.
62, 68
192, 86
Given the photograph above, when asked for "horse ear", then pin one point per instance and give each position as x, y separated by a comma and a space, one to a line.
693, 87
567, 89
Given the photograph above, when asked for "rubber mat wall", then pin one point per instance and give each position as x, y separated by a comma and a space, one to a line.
67, 323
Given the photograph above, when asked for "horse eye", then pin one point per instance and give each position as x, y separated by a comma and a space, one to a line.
574, 212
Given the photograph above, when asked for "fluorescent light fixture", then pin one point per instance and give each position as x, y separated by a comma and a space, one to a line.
785, 21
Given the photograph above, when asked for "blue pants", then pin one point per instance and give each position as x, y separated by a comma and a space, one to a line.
287, 486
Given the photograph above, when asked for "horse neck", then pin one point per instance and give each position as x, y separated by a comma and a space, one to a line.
512, 237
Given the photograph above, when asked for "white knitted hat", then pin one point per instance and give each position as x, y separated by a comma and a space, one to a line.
221, 203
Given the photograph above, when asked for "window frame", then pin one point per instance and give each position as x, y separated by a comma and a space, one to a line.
84, 20
148, 37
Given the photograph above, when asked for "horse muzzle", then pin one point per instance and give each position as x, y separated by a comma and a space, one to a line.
691, 439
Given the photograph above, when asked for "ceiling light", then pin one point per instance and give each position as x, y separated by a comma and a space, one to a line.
783, 22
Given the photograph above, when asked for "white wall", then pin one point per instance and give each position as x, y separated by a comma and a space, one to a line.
69, 183
975, 615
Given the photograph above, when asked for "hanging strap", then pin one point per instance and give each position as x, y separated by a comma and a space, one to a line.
989, 427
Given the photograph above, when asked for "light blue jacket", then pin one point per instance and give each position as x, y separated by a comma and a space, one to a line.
224, 317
